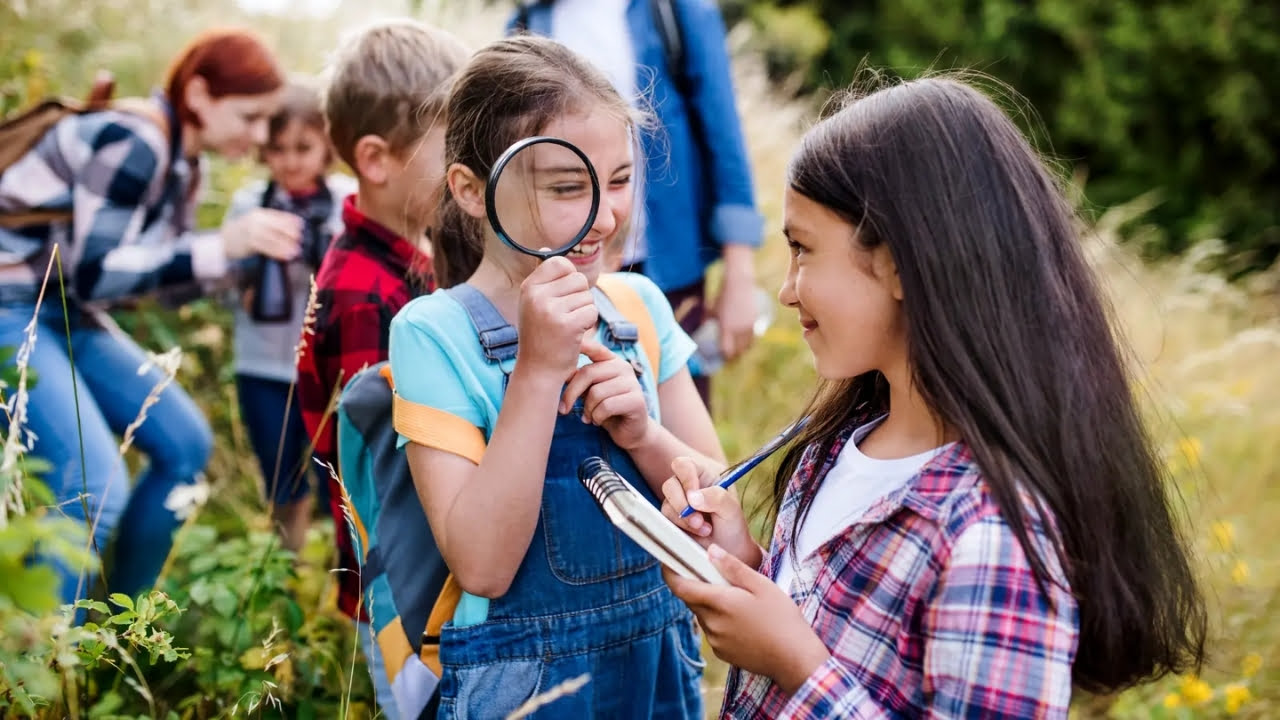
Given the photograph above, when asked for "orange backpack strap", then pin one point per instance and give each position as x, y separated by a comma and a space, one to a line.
434, 428
632, 307
419, 419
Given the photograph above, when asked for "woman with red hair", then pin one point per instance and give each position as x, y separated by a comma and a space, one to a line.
127, 180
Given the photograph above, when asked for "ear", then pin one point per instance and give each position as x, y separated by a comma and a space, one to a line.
466, 188
884, 268
196, 94
372, 156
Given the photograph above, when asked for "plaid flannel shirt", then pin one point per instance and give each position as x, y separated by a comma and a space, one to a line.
364, 280
133, 207
928, 605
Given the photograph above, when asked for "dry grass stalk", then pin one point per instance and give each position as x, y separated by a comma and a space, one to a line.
568, 687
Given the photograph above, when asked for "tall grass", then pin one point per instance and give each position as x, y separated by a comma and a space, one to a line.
1205, 350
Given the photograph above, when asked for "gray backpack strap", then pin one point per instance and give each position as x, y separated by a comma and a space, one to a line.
620, 330
497, 336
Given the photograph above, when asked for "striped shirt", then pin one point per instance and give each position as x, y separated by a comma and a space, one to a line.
132, 204
928, 606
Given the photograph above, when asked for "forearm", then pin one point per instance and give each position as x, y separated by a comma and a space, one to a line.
739, 260
492, 517
655, 451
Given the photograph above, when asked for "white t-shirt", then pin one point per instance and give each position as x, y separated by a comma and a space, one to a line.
850, 488
597, 30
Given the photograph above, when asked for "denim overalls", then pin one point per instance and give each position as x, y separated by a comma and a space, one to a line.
585, 599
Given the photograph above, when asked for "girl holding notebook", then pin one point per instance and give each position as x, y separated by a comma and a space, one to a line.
974, 521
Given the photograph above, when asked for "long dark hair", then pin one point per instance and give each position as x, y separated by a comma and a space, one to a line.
1011, 345
509, 90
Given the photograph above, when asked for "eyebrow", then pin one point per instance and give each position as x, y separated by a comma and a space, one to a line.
560, 170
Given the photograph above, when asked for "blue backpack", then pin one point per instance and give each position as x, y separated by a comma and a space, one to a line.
408, 591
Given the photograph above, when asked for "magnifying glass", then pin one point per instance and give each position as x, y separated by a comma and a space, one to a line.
542, 197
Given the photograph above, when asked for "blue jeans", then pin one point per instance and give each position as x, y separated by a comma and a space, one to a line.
89, 478
280, 441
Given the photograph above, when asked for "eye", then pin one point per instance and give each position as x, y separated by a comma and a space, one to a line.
796, 248
567, 189
620, 181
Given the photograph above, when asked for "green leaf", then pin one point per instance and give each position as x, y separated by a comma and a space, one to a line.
121, 600
35, 589
123, 618
108, 705
95, 605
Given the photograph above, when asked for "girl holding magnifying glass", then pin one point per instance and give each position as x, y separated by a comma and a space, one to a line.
523, 377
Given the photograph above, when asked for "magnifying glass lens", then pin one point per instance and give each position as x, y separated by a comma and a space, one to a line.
542, 197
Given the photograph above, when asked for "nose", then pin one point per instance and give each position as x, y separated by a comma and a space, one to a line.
606, 217
787, 293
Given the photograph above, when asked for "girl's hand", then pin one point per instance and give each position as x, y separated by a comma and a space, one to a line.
753, 624
556, 310
613, 397
263, 231
719, 519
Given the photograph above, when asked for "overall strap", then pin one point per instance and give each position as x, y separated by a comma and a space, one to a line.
497, 336
619, 329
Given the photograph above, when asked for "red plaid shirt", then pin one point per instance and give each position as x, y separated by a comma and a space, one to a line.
365, 278
928, 606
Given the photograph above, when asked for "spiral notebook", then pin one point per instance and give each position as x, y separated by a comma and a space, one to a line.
636, 517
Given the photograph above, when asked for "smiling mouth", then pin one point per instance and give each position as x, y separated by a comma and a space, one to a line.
585, 249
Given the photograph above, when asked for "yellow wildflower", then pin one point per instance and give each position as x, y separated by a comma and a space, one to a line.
1240, 572
1224, 533
1190, 448
1196, 691
1251, 664
1236, 695
1172, 701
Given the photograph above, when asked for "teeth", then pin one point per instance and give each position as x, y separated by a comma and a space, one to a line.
584, 250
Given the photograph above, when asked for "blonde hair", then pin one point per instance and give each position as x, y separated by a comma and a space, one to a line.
390, 79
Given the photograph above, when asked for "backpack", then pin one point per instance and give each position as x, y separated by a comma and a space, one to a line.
408, 591
20, 133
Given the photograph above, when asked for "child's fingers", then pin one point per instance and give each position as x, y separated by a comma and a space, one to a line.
581, 381
674, 502
699, 596
714, 500
687, 472
596, 352
738, 573
612, 396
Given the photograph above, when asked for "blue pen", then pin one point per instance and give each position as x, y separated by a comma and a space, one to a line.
735, 474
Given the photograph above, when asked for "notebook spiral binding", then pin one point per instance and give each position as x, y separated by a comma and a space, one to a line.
600, 479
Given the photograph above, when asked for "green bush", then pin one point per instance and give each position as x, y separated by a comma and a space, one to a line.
1177, 96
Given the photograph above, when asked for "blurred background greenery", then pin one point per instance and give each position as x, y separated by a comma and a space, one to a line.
1164, 113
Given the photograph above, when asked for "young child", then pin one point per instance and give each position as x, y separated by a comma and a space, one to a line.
552, 590
269, 323
386, 91
973, 521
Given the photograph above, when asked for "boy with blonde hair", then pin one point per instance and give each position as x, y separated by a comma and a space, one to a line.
384, 103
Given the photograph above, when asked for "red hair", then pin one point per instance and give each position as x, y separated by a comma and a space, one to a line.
231, 62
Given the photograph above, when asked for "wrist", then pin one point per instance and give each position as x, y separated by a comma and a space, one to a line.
800, 664
644, 439
539, 377
739, 262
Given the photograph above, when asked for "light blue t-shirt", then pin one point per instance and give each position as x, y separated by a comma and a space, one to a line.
437, 360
